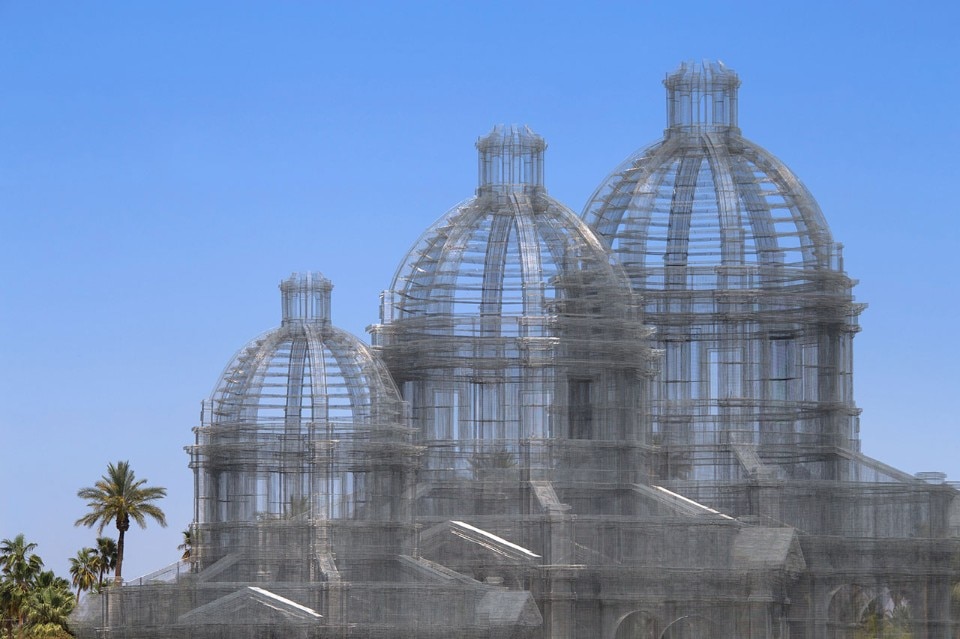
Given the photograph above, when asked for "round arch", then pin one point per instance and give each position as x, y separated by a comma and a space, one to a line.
638, 624
857, 611
688, 627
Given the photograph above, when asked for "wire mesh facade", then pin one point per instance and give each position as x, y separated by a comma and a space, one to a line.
635, 425
744, 283
305, 426
753, 410
510, 331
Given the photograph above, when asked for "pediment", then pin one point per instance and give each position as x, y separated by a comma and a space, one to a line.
476, 541
252, 605
769, 548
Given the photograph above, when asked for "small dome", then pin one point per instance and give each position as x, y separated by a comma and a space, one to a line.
306, 370
704, 197
298, 419
702, 97
511, 158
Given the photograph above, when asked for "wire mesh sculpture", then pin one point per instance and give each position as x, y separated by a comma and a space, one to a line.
520, 455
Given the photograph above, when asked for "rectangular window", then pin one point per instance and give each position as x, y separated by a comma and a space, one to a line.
445, 413
810, 368
726, 373
581, 409
485, 405
783, 367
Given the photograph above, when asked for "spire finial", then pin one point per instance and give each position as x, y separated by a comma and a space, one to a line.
702, 97
305, 297
511, 159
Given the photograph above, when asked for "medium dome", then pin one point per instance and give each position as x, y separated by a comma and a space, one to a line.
507, 326
498, 254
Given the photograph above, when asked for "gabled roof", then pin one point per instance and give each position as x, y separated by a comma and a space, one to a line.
766, 548
252, 605
464, 540
676, 503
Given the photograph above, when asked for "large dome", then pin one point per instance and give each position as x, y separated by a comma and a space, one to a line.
704, 196
744, 284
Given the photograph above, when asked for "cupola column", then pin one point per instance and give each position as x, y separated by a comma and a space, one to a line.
702, 97
510, 159
305, 297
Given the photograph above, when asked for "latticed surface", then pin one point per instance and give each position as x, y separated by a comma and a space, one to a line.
508, 328
743, 282
304, 429
541, 478
297, 420
753, 409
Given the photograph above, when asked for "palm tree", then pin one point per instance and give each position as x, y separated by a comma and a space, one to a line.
19, 566
9, 601
48, 605
119, 497
47, 579
106, 557
83, 570
17, 557
187, 545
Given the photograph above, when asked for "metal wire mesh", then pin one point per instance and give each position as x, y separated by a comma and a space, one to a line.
531, 460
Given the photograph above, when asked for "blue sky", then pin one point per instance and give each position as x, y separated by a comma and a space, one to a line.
164, 165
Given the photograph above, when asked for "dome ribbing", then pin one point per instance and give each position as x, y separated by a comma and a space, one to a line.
297, 419
741, 278
503, 309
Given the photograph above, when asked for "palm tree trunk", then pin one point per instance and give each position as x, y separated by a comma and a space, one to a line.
117, 579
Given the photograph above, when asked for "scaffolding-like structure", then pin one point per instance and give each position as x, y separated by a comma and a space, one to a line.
635, 425
304, 434
744, 284
753, 410
512, 334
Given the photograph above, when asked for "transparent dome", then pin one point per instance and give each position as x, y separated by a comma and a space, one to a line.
297, 420
741, 279
504, 310
490, 264
704, 196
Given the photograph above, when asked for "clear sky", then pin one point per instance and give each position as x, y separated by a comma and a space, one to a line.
163, 165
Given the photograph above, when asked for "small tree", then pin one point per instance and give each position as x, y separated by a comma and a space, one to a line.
119, 497
33, 601
48, 605
19, 568
83, 570
106, 558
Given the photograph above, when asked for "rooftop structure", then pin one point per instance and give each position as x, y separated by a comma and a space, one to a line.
744, 284
304, 425
507, 328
